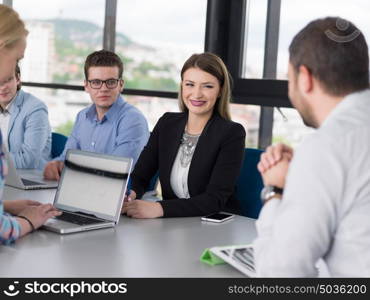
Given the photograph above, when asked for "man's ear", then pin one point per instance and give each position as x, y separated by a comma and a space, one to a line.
85, 85
122, 83
17, 79
305, 79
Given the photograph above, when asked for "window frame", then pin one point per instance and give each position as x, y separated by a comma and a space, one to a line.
224, 36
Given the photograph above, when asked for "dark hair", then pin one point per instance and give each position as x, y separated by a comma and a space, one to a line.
103, 58
335, 51
212, 64
18, 76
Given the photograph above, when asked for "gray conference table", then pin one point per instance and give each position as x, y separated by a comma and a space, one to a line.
135, 248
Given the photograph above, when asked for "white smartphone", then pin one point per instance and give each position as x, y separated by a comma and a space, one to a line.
217, 218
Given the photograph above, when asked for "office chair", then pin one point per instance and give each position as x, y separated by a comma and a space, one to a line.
153, 183
151, 190
58, 142
250, 184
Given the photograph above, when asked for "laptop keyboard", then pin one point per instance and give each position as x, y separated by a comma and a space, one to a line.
77, 219
27, 182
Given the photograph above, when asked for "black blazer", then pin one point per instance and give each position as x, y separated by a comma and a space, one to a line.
213, 171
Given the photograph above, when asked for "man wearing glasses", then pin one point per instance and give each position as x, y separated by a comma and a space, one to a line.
110, 125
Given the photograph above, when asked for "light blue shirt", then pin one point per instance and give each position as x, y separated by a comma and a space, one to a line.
29, 133
123, 131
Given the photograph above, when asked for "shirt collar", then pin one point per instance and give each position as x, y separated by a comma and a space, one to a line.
113, 110
6, 110
347, 102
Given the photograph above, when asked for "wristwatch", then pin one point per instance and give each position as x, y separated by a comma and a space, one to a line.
269, 192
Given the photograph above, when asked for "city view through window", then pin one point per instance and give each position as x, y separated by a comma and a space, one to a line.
293, 17
154, 47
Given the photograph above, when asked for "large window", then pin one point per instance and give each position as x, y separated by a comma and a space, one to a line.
248, 116
293, 18
156, 37
153, 46
63, 106
254, 48
60, 38
153, 107
289, 128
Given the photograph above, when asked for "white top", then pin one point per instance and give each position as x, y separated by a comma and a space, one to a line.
4, 124
181, 165
179, 178
325, 210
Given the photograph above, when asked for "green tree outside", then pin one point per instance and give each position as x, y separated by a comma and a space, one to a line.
65, 128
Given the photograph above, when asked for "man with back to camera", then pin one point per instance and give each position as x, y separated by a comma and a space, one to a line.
317, 200
110, 125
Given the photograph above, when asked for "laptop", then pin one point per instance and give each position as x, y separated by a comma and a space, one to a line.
240, 257
26, 179
90, 193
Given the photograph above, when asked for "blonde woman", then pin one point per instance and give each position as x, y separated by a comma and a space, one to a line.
12, 39
29, 214
197, 152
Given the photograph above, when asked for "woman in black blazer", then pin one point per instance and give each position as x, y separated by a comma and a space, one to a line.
197, 152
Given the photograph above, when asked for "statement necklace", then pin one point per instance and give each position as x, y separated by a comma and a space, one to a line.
188, 144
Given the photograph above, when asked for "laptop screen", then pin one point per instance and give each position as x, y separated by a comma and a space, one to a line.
99, 193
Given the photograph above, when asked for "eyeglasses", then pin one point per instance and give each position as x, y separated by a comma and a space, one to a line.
110, 83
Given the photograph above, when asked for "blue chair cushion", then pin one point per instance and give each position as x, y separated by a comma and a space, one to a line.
58, 142
250, 184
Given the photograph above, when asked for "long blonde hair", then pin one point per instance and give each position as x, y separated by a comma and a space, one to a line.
12, 28
212, 64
